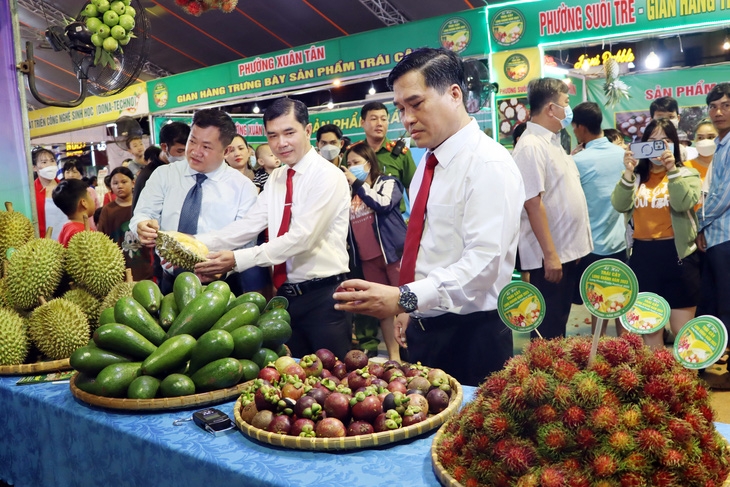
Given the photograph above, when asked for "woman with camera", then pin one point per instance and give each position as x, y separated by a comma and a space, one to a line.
658, 194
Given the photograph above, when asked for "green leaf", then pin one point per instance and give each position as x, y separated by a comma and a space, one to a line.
97, 55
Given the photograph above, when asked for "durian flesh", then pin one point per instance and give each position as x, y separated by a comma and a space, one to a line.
181, 250
13, 338
58, 328
94, 262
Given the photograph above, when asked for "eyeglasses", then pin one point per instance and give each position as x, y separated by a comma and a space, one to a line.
725, 106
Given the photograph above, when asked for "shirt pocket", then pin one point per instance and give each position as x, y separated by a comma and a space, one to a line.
441, 221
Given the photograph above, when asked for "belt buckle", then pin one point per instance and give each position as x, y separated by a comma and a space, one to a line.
292, 290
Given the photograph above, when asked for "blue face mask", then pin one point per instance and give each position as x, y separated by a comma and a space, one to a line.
565, 122
359, 172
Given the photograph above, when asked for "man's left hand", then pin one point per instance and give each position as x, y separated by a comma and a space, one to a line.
368, 298
218, 263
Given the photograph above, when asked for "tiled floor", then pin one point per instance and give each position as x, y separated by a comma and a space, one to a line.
579, 324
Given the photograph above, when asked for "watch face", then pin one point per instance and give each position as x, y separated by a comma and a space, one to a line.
408, 300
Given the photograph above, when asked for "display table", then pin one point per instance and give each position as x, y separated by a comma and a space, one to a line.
49, 438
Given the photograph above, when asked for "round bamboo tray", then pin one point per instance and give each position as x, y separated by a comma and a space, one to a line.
163, 403
36, 367
353, 442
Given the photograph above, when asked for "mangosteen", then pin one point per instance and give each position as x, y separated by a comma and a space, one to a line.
295, 370
319, 394
330, 428
281, 424
387, 421
390, 374
367, 410
419, 401
328, 358
413, 415
303, 403
375, 369
358, 378
262, 419
337, 405
270, 374
357, 428
355, 359
326, 374
248, 411
283, 362
292, 390
266, 398
438, 400
437, 377
302, 427
396, 401
312, 365
339, 370
391, 364
397, 386
420, 383
286, 406
379, 383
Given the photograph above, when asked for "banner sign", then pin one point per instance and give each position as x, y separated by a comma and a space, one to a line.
366, 53
94, 111
542, 22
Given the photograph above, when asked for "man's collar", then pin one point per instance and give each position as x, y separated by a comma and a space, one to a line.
305, 162
545, 133
598, 141
448, 149
214, 175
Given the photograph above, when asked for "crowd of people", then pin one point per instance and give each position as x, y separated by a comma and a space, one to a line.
324, 225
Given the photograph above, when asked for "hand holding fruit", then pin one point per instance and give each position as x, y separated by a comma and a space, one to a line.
218, 263
147, 232
368, 298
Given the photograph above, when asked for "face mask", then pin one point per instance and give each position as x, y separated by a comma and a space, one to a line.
359, 172
675, 122
48, 172
565, 122
656, 161
329, 152
705, 147
172, 159
252, 162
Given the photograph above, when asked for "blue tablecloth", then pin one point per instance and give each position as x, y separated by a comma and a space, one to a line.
49, 438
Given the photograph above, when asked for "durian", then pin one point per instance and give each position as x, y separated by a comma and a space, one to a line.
180, 250
89, 304
13, 338
94, 262
119, 291
15, 230
35, 269
58, 328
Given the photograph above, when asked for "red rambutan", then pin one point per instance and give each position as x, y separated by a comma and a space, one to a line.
519, 457
658, 389
585, 438
492, 385
630, 416
474, 421
574, 416
480, 442
700, 393
545, 413
564, 370
653, 412
621, 441
540, 359
562, 396
497, 425
602, 368
632, 479
651, 440
635, 462
553, 438
672, 458
707, 412
663, 478
604, 418
616, 351
513, 398
579, 352
604, 465
626, 380
537, 387
447, 458
665, 357
679, 430
588, 389
636, 342
552, 477
459, 473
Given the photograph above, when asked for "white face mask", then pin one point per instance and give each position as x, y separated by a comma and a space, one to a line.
706, 147
252, 162
48, 172
329, 152
171, 158
675, 122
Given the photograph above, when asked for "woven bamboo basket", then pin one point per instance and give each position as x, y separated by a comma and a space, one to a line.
163, 403
36, 367
353, 442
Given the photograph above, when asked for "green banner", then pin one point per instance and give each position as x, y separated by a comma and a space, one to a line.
366, 53
543, 22
689, 86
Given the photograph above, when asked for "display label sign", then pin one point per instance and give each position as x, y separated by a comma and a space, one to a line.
543, 22
648, 315
521, 306
609, 288
701, 342
94, 111
365, 53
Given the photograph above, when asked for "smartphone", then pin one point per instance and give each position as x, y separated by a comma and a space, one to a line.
644, 150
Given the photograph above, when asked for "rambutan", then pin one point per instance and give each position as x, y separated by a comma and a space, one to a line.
553, 438
574, 416
658, 389
626, 380
588, 389
700, 393
564, 370
651, 440
480, 442
545, 413
604, 418
672, 458
492, 385
447, 458
474, 420
540, 359
632, 479
630, 416
604, 465
707, 412
635, 462
616, 351
653, 412
513, 398
552, 477
636, 342
602, 368
695, 419
585, 438
666, 359
519, 457
621, 441
496, 425
663, 478
459, 473
518, 368
562, 396
679, 430
579, 352
537, 387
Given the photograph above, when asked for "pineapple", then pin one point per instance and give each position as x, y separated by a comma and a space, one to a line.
615, 89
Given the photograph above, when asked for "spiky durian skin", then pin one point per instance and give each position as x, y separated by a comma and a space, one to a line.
180, 250
34, 270
15, 231
123, 289
89, 304
4, 303
13, 338
94, 262
58, 328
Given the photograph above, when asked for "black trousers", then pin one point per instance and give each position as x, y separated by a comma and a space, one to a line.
317, 324
467, 347
558, 299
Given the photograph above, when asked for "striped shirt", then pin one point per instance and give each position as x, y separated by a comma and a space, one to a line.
715, 215
260, 178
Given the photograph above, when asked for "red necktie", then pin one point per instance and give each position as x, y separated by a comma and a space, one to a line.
280, 269
415, 224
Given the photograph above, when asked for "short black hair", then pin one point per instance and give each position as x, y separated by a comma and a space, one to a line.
371, 107
284, 106
67, 195
717, 92
121, 170
644, 166
543, 91
664, 104
129, 140
42, 150
588, 114
329, 128
152, 154
518, 131
174, 133
440, 68
613, 135
213, 117
73, 163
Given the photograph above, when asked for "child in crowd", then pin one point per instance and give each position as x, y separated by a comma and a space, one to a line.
114, 221
267, 162
136, 148
109, 196
72, 197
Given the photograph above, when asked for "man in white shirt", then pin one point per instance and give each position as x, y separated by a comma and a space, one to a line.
307, 241
465, 254
226, 193
555, 230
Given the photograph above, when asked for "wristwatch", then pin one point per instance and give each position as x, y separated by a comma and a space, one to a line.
408, 299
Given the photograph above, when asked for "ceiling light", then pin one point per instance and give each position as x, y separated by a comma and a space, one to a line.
372, 90
256, 108
586, 65
652, 61
631, 65
726, 44
330, 104
336, 82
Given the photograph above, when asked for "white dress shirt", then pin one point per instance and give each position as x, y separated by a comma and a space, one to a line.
227, 196
315, 245
546, 169
469, 242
